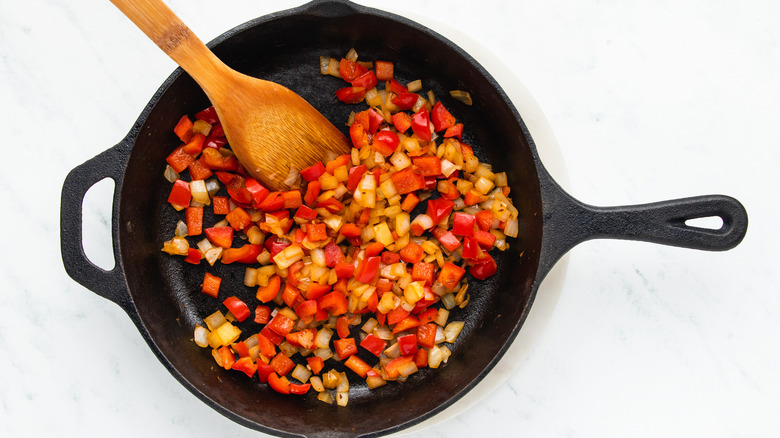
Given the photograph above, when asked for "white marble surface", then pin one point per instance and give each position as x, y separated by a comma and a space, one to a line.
648, 101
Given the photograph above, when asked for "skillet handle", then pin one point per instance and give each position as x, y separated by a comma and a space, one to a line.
108, 284
569, 222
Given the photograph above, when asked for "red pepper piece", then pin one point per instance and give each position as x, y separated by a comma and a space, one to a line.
429, 165
305, 213
345, 348
271, 290
402, 121
220, 236
358, 135
313, 172
384, 70
485, 239
335, 303
282, 364
194, 219
484, 269
350, 230
257, 190
351, 94
367, 269
262, 314
208, 115
214, 160
450, 275
198, 171
183, 129
245, 254
246, 366
412, 252
446, 238
439, 209
333, 255
410, 201
366, 81
405, 100
471, 249
344, 270
179, 159
422, 271
211, 285
281, 324
221, 204
355, 175
238, 218
407, 344
441, 118
238, 308
312, 192
341, 160
408, 181
374, 249
396, 87
275, 245
421, 125
316, 364
374, 344
350, 70
299, 388
316, 291
264, 371
316, 232
385, 142
237, 190
180, 195
484, 220
463, 224
454, 131
195, 145
303, 338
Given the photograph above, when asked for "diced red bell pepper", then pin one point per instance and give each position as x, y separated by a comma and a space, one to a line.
344, 270
333, 254
390, 257
375, 120
358, 135
179, 160
421, 125
485, 268
272, 336
396, 87
422, 271
409, 322
275, 245
385, 142
333, 205
455, 130
392, 368
345, 348
211, 285
351, 94
220, 236
484, 219
291, 296
408, 181
257, 190
396, 315
306, 308
463, 224
281, 324
237, 190
407, 344
214, 160
194, 219
474, 197
183, 128
355, 175
471, 249
244, 254
384, 70
374, 249
429, 165
271, 290
264, 370
198, 171
335, 303
215, 141
238, 308
350, 230
316, 291
240, 348
262, 314
208, 115
410, 201
450, 275
316, 364
358, 365
485, 239
402, 121
273, 202
350, 70
374, 344
226, 357
299, 388
367, 269
439, 209
366, 81
342, 326
302, 338
238, 218
446, 238
312, 192
405, 101
305, 213
441, 118
448, 189
426, 316
246, 366
412, 252
221, 204
180, 195
316, 232
279, 384
195, 145
313, 172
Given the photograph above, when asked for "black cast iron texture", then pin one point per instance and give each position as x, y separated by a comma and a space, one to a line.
161, 295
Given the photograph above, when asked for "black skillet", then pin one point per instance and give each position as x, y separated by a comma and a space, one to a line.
160, 293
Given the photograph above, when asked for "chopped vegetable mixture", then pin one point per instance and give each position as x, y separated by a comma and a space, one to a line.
357, 268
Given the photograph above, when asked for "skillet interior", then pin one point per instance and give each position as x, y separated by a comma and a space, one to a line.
285, 48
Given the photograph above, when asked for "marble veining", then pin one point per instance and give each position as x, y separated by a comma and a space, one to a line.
645, 101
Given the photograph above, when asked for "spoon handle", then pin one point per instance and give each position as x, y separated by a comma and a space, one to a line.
167, 30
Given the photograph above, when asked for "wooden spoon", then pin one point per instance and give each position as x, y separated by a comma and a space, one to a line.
269, 127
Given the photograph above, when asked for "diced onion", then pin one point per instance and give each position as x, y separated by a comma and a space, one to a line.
200, 336
301, 373
462, 96
452, 330
170, 175
181, 229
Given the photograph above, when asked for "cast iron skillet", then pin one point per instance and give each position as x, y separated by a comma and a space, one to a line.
162, 296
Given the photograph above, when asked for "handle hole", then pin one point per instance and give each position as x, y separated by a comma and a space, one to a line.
708, 223
96, 224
